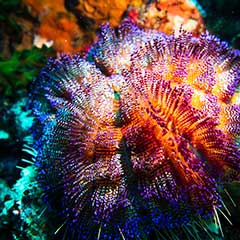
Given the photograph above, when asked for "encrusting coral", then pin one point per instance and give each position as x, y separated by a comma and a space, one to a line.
102, 11
72, 25
56, 23
137, 137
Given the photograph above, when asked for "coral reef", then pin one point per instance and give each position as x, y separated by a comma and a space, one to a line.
167, 16
103, 11
57, 24
71, 25
139, 137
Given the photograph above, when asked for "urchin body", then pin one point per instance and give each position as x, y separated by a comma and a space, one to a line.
137, 136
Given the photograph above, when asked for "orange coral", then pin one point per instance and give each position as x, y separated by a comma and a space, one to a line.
73, 29
59, 25
63, 31
103, 11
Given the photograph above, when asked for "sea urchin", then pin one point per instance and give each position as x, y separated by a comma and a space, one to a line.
137, 136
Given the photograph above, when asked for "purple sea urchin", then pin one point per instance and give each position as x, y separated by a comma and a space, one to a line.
137, 137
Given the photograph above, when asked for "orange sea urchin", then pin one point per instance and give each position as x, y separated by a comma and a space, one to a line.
137, 137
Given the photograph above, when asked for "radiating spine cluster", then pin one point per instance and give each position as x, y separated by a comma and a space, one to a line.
137, 137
